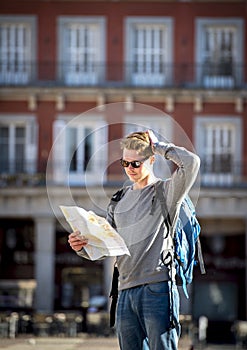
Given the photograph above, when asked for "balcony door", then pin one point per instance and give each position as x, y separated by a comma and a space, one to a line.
148, 51
80, 150
17, 50
219, 146
219, 53
81, 51
18, 144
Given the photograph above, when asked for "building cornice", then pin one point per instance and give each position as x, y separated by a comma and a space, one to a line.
99, 96
34, 202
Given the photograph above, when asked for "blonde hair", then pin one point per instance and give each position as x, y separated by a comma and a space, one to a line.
138, 141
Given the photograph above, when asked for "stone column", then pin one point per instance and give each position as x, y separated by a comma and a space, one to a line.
44, 263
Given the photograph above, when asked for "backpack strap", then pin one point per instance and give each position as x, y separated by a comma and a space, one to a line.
114, 287
114, 295
116, 197
200, 257
159, 190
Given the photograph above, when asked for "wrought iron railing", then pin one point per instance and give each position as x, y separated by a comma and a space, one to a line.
186, 75
226, 174
236, 178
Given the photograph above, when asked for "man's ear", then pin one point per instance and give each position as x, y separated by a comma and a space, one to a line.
152, 159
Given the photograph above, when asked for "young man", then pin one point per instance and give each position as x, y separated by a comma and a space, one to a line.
148, 304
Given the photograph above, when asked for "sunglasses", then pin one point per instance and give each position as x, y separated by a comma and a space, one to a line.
134, 163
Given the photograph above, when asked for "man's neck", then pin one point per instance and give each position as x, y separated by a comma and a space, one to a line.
144, 182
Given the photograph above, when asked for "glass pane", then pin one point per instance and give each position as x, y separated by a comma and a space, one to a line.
221, 163
20, 149
88, 149
81, 47
148, 52
4, 133
4, 146
20, 158
72, 148
219, 149
15, 41
20, 133
219, 50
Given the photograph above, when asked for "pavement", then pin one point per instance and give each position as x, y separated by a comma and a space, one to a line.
55, 343
86, 342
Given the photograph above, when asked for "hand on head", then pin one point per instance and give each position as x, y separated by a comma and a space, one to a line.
152, 138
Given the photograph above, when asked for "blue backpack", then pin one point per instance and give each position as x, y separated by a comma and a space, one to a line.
186, 239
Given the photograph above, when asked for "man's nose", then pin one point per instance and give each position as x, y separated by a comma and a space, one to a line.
130, 166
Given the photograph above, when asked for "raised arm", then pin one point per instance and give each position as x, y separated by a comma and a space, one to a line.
187, 167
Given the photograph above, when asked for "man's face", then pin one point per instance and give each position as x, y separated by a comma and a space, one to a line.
135, 174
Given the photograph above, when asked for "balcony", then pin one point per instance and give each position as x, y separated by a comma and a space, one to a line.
189, 76
21, 173
237, 178
223, 175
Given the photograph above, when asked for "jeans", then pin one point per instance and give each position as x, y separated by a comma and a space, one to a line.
144, 315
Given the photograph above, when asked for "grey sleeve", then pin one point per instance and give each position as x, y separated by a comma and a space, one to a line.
187, 167
82, 253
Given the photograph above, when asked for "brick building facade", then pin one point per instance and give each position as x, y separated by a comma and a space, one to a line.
99, 70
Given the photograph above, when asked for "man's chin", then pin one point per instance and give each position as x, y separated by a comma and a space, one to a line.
132, 177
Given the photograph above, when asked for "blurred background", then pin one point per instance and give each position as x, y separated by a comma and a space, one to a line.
178, 67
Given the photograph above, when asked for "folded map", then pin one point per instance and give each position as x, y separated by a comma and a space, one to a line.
103, 239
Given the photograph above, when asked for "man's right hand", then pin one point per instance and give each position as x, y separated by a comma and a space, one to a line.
77, 241
152, 138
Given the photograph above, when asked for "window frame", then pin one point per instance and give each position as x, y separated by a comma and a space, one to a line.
31, 142
30, 21
149, 80
61, 169
82, 79
219, 81
212, 178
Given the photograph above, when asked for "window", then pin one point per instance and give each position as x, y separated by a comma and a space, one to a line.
219, 145
149, 51
80, 150
18, 144
17, 49
81, 50
219, 52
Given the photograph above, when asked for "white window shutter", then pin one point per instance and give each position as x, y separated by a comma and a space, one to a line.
103, 137
100, 152
59, 151
31, 147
